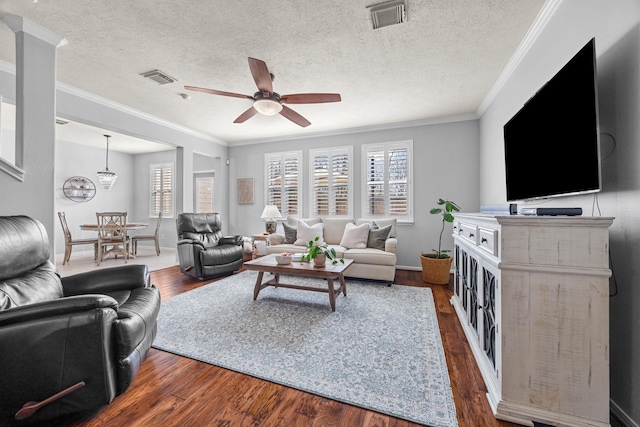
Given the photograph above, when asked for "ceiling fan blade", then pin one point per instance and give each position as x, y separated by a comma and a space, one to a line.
218, 92
294, 117
261, 75
310, 98
246, 115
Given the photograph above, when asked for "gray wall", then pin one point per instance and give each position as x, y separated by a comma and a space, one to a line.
445, 163
616, 28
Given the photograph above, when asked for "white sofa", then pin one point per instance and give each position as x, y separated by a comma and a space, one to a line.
368, 262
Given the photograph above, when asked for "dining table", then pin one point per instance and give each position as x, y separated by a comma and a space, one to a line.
128, 226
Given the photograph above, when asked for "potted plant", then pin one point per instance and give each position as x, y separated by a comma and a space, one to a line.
436, 266
320, 254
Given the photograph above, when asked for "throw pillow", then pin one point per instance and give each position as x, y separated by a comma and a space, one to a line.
355, 236
378, 236
308, 232
290, 233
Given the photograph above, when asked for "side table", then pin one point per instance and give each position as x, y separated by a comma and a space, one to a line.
260, 249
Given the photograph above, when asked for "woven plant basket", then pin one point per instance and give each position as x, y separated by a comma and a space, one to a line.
436, 270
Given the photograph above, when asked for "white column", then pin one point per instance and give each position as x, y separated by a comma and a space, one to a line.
35, 194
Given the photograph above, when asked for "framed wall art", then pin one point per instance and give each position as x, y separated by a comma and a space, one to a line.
245, 191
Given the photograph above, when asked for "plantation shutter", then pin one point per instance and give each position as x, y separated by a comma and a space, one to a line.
398, 182
375, 170
161, 189
284, 171
387, 173
330, 181
321, 184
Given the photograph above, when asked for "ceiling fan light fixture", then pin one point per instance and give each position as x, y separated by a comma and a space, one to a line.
267, 106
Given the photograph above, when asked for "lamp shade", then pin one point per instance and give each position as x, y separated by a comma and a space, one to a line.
270, 211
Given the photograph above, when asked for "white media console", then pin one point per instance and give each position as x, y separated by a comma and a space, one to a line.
532, 295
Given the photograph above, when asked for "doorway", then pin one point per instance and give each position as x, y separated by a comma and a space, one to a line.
203, 191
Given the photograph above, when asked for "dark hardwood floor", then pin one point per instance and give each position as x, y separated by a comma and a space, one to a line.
171, 390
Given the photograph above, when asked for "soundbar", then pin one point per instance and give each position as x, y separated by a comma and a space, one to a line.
551, 211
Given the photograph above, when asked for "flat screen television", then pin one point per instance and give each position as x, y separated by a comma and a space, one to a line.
552, 145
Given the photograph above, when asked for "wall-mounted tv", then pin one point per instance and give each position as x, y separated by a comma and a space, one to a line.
552, 145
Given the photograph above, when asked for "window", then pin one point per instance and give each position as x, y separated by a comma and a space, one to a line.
330, 181
161, 190
283, 181
387, 180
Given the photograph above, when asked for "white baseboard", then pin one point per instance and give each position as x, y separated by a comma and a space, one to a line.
408, 267
621, 415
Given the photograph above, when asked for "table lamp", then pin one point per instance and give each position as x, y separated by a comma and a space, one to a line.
270, 213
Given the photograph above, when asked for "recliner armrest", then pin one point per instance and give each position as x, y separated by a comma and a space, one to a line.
124, 277
231, 240
45, 354
57, 307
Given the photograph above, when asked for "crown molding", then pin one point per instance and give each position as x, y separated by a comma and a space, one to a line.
71, 90
541, 21
363, 129
20, 24
63, 87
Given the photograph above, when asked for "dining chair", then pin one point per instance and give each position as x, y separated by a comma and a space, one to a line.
155, 237
69, 242
112, 231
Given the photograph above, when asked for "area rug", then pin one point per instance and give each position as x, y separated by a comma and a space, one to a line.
380, 350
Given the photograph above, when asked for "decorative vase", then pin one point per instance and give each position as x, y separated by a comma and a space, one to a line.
319, 261
435, 270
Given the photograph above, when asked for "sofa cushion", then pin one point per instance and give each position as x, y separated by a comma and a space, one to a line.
290, 233
308, 232
334, 229
371, 256
292, 249
383, 222
378, 236
309, 221
355, 236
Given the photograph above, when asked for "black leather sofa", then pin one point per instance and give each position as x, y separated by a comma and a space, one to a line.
84, 335
203, 251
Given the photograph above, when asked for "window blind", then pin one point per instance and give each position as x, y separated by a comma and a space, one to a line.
162, 190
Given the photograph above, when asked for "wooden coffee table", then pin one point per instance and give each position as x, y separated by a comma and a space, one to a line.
268, 264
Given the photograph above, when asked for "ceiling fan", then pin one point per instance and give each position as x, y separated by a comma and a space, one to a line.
268, 102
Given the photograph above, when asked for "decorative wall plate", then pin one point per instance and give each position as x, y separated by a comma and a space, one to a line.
79, 189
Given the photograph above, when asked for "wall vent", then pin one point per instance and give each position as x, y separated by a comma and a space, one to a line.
388, 13
159, 77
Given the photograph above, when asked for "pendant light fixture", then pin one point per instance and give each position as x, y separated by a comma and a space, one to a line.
106, 177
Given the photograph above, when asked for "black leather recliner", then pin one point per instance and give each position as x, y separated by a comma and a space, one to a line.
83, 337
202, 250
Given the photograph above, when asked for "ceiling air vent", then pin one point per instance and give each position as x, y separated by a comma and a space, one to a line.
159, 77
388, 13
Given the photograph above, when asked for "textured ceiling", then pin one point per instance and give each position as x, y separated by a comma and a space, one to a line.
441, 62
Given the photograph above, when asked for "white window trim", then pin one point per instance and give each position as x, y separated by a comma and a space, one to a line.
386, 146
153, 166
283, 155
330, 151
